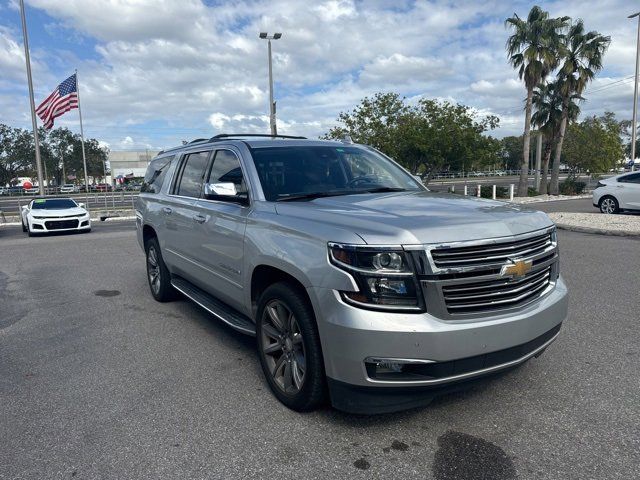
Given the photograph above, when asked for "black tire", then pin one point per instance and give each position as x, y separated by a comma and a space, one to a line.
161, 288
299, 345
608, 205
29, 232
24, 229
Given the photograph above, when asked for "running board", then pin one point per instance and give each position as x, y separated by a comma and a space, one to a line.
222, 311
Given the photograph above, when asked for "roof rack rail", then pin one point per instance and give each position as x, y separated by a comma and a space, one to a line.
197, 140
223, 136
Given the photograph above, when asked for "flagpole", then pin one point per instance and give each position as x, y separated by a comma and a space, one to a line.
33, 105
84, 158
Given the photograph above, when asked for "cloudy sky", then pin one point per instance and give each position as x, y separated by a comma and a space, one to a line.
154, 72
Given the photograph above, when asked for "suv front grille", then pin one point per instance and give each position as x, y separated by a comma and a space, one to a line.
495, 294
490, 254
472, 279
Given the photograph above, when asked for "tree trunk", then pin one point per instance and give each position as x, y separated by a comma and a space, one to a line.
545, 165
523, 183
554, 187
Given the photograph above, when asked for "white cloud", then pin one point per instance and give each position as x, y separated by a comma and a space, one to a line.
182, 69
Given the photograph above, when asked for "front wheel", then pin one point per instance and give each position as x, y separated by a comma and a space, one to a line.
289, 347
609, 205
157, 273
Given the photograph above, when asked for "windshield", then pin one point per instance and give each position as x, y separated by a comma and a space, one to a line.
53, 204
326, 170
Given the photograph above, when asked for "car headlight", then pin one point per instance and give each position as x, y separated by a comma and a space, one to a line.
385, 277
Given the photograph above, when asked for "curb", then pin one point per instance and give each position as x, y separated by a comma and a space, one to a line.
597, 231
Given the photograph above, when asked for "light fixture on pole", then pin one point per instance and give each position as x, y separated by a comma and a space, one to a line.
272, 104
635, 98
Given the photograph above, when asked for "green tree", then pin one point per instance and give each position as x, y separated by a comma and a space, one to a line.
582, 53
594, 144
533, 50
512, 152
17, 154
425, 138
547, 116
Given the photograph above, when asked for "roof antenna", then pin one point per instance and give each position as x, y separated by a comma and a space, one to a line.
347, 139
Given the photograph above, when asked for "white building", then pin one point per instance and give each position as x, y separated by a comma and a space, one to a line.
130, 163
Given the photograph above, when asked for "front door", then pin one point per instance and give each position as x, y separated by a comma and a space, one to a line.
629, 188
223, 223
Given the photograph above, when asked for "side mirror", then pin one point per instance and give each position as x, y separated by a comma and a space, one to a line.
226, 189
226, 192
81, 205
25, 207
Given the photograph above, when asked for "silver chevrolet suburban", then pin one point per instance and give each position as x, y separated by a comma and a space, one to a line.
359, 284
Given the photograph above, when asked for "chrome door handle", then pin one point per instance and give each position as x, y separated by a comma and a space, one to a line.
167, 210
199, 218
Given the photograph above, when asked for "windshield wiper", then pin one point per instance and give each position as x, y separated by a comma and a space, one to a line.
310, 196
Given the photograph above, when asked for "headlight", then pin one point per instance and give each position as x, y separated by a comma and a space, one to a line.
385, 277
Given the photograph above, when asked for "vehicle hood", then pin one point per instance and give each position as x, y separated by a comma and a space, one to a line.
416, 217
61, 212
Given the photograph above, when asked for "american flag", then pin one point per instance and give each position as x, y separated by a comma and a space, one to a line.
61, 100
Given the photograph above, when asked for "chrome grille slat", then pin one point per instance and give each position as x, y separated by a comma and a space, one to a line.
449, 252
474, 255
472, 261
493, 303
528, 286
489, 284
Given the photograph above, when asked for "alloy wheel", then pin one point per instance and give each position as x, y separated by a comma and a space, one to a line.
283, 347
608, 206
153, 269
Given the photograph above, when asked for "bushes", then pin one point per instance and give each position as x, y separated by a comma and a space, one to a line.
572, 187
486, 191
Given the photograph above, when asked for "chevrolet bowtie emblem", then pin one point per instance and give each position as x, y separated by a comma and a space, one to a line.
519, 268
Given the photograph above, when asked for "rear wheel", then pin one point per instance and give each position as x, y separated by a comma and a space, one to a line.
609, 205
157, 273
289, 347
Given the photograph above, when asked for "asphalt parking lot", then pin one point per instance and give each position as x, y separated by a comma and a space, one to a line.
97, 380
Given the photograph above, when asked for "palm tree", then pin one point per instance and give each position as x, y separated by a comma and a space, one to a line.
547, 103
533, 50
582, 54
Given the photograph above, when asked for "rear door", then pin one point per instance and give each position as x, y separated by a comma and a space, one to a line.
179, 212
222, 225
628, 191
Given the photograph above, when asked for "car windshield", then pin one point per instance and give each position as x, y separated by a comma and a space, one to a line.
305, 171
53, 204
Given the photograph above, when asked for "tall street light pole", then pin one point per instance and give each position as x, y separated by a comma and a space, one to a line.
272, 104
635, 98
33, 105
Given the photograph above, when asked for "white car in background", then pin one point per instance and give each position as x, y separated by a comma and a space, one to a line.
621, 192
45, 215
69, 188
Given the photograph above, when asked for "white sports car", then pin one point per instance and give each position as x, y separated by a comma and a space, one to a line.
44, 215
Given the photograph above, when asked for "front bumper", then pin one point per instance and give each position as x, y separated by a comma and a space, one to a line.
65, 224
454, 350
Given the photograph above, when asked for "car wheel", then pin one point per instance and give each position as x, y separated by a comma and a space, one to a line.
29, 232
24, 229
609, 205
289, 347
157, 273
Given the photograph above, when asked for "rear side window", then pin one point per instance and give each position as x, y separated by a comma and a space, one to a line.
156, 173
190, 182
633, 178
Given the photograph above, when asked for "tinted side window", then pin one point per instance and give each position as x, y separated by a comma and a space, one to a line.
156, 172
633, 178
226, 169
190, 183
